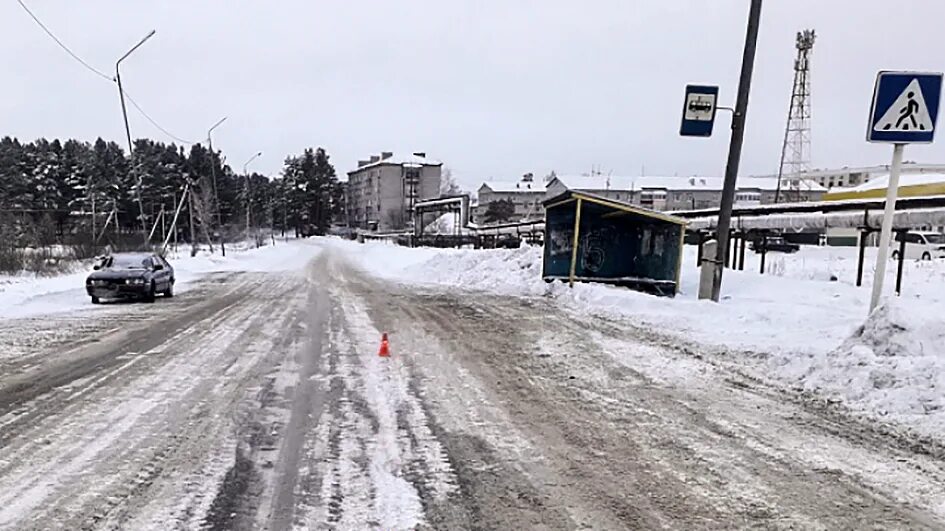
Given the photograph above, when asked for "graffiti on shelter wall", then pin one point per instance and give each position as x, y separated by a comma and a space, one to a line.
594, 245
560, 242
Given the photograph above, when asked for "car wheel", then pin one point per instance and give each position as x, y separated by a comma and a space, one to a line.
169, 292
895, 255
926, 256
151, 294
96, 300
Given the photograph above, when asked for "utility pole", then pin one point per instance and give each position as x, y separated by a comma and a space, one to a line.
190, 212
131, 148
735, 147
177, 212
246, 177
94, 233
213, 173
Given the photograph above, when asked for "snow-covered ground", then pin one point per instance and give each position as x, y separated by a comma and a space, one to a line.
803, 324
29, 295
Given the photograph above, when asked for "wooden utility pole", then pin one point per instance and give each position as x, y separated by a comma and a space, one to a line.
190, 212
177, 212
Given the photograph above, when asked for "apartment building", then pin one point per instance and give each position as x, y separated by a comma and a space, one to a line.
382, 191
526, 195
676, 193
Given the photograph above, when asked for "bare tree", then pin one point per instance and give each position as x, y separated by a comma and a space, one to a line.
448, 185
203, 204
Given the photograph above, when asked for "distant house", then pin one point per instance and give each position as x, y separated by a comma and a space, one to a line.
381, 192
675, 193
850, 177
526, 195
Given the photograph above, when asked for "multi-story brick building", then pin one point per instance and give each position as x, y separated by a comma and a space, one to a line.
382, 191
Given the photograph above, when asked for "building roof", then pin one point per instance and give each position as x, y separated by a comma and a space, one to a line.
910, 184
848, 213
599, 183
570, 196
398, 160
906, 179
514, 186
907, 167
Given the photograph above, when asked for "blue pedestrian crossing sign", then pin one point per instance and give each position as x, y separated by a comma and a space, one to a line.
699, 110
905, 107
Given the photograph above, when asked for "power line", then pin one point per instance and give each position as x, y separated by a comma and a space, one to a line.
63, 46
100, 74
153, 122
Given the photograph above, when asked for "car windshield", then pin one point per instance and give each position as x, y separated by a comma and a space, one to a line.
935, 238
128, 262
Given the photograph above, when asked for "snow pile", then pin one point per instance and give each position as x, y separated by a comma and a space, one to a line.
507, 271
384, 259
893, 365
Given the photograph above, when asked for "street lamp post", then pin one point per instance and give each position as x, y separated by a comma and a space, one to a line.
246, 176
213, 174
131, 149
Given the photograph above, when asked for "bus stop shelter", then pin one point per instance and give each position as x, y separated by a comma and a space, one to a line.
589, 238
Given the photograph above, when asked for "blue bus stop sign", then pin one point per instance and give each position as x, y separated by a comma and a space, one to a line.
905, 107
699, 110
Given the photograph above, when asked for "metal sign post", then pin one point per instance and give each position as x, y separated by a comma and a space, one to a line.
885, 234
904, 111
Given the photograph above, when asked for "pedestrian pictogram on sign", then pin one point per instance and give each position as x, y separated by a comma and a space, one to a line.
908, 112
905, 107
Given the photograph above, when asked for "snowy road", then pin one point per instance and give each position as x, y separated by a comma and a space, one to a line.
257, 400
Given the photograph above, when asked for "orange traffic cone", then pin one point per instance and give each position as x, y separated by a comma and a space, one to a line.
385, 347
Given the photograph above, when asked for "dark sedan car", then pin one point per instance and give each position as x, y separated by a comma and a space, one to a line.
131, 276
775, 244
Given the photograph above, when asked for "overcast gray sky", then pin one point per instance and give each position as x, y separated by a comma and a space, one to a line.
493, 88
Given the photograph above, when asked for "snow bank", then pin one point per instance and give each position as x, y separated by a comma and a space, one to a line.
893, 366
802, 324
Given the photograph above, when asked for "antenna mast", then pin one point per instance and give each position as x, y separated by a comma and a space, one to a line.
795, 151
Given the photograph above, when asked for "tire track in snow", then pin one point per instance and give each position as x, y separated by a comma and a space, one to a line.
170, 417
379, 457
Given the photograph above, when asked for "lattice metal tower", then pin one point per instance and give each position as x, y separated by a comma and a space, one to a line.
795, 151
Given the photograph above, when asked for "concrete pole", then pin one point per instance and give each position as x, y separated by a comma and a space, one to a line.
735, 149
707, 268
882, 256
131, 148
